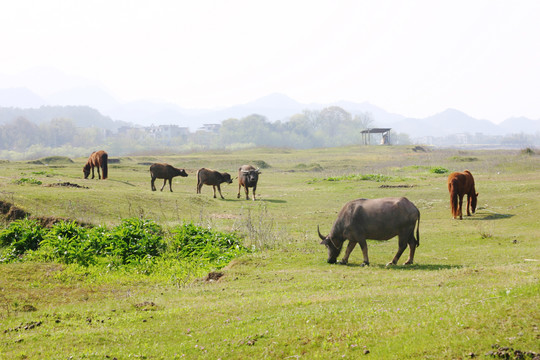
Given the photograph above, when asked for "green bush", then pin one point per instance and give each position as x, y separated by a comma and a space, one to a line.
206, 245
69, 243
19, 237
30, 181
134, 239
438, 170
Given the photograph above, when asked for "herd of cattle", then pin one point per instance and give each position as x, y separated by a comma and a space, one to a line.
358, 220
248, 176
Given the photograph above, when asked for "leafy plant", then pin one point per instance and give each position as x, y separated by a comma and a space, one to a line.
30, 181
438, 170
20, 236
192, 241
69, 243
134, 239
365, 177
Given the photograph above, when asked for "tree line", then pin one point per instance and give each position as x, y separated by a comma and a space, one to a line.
333, 126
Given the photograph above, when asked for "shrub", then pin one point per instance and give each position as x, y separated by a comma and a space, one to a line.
134, 239
69, 243
19, 237
438, 170
528, 151
195, 242
30, 181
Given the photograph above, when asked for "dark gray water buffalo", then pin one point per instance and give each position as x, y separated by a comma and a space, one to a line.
212, 177
247, 177
376, 219
166, 172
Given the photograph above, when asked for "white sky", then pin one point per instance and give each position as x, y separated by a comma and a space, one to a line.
413, 57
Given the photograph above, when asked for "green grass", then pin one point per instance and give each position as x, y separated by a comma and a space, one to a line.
474, 284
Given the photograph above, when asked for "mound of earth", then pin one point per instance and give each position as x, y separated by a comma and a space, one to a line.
10, 212
67, 184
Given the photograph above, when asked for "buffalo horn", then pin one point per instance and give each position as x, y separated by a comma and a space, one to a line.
320, 235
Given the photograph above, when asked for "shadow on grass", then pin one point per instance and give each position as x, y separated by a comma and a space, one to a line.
415, 267
274, 201
490, 216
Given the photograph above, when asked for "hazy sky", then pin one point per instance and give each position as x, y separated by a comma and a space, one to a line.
415, 58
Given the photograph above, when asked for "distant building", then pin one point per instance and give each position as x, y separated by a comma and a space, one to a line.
384, 134
211, 127
166, 131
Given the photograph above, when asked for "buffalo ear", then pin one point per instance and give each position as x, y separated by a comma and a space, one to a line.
476, 194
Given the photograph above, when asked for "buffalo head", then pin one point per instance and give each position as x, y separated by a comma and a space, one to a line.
333, 250
474, 200
181, 172
251, 176
86, 170
226, 178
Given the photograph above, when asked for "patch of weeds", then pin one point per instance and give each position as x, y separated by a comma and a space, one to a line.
464, 158
528, 151
438, 170
365, 177
19, 237
309, 167
206, 245
261, 164
29, 181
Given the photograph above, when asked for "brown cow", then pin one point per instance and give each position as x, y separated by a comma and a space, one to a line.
376, 219
459, 185
247, 177
97, 159
212, 177
166, 172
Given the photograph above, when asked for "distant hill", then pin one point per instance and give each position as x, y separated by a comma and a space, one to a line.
79, 103
448, 122
82, 116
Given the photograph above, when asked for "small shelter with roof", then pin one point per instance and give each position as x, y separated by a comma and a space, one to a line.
384, 133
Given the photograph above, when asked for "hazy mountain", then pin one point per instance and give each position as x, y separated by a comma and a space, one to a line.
520, 124
448, 122
20, 98
82, 116
77, 102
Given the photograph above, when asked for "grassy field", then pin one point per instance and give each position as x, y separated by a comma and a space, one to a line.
474, 289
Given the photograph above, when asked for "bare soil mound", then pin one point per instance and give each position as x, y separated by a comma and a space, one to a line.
67, 184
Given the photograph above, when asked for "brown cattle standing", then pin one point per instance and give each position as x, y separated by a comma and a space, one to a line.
212, 177
97, 159
166, 172
459, 185
247, 177
376, 219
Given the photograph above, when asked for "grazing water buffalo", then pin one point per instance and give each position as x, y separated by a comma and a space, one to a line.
376, 219
212, 177
98, 159
248, 177
166, 172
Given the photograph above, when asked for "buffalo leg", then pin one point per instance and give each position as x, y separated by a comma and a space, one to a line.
199, 186
254, 188
412, 248
460, 207
153, 187
170, 184
468, 205
164, 183
219, 189
92, 167
98, 173
239, 188
247, 192
350, 248
402, 245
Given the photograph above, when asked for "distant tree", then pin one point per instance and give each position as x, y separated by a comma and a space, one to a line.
19, 134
